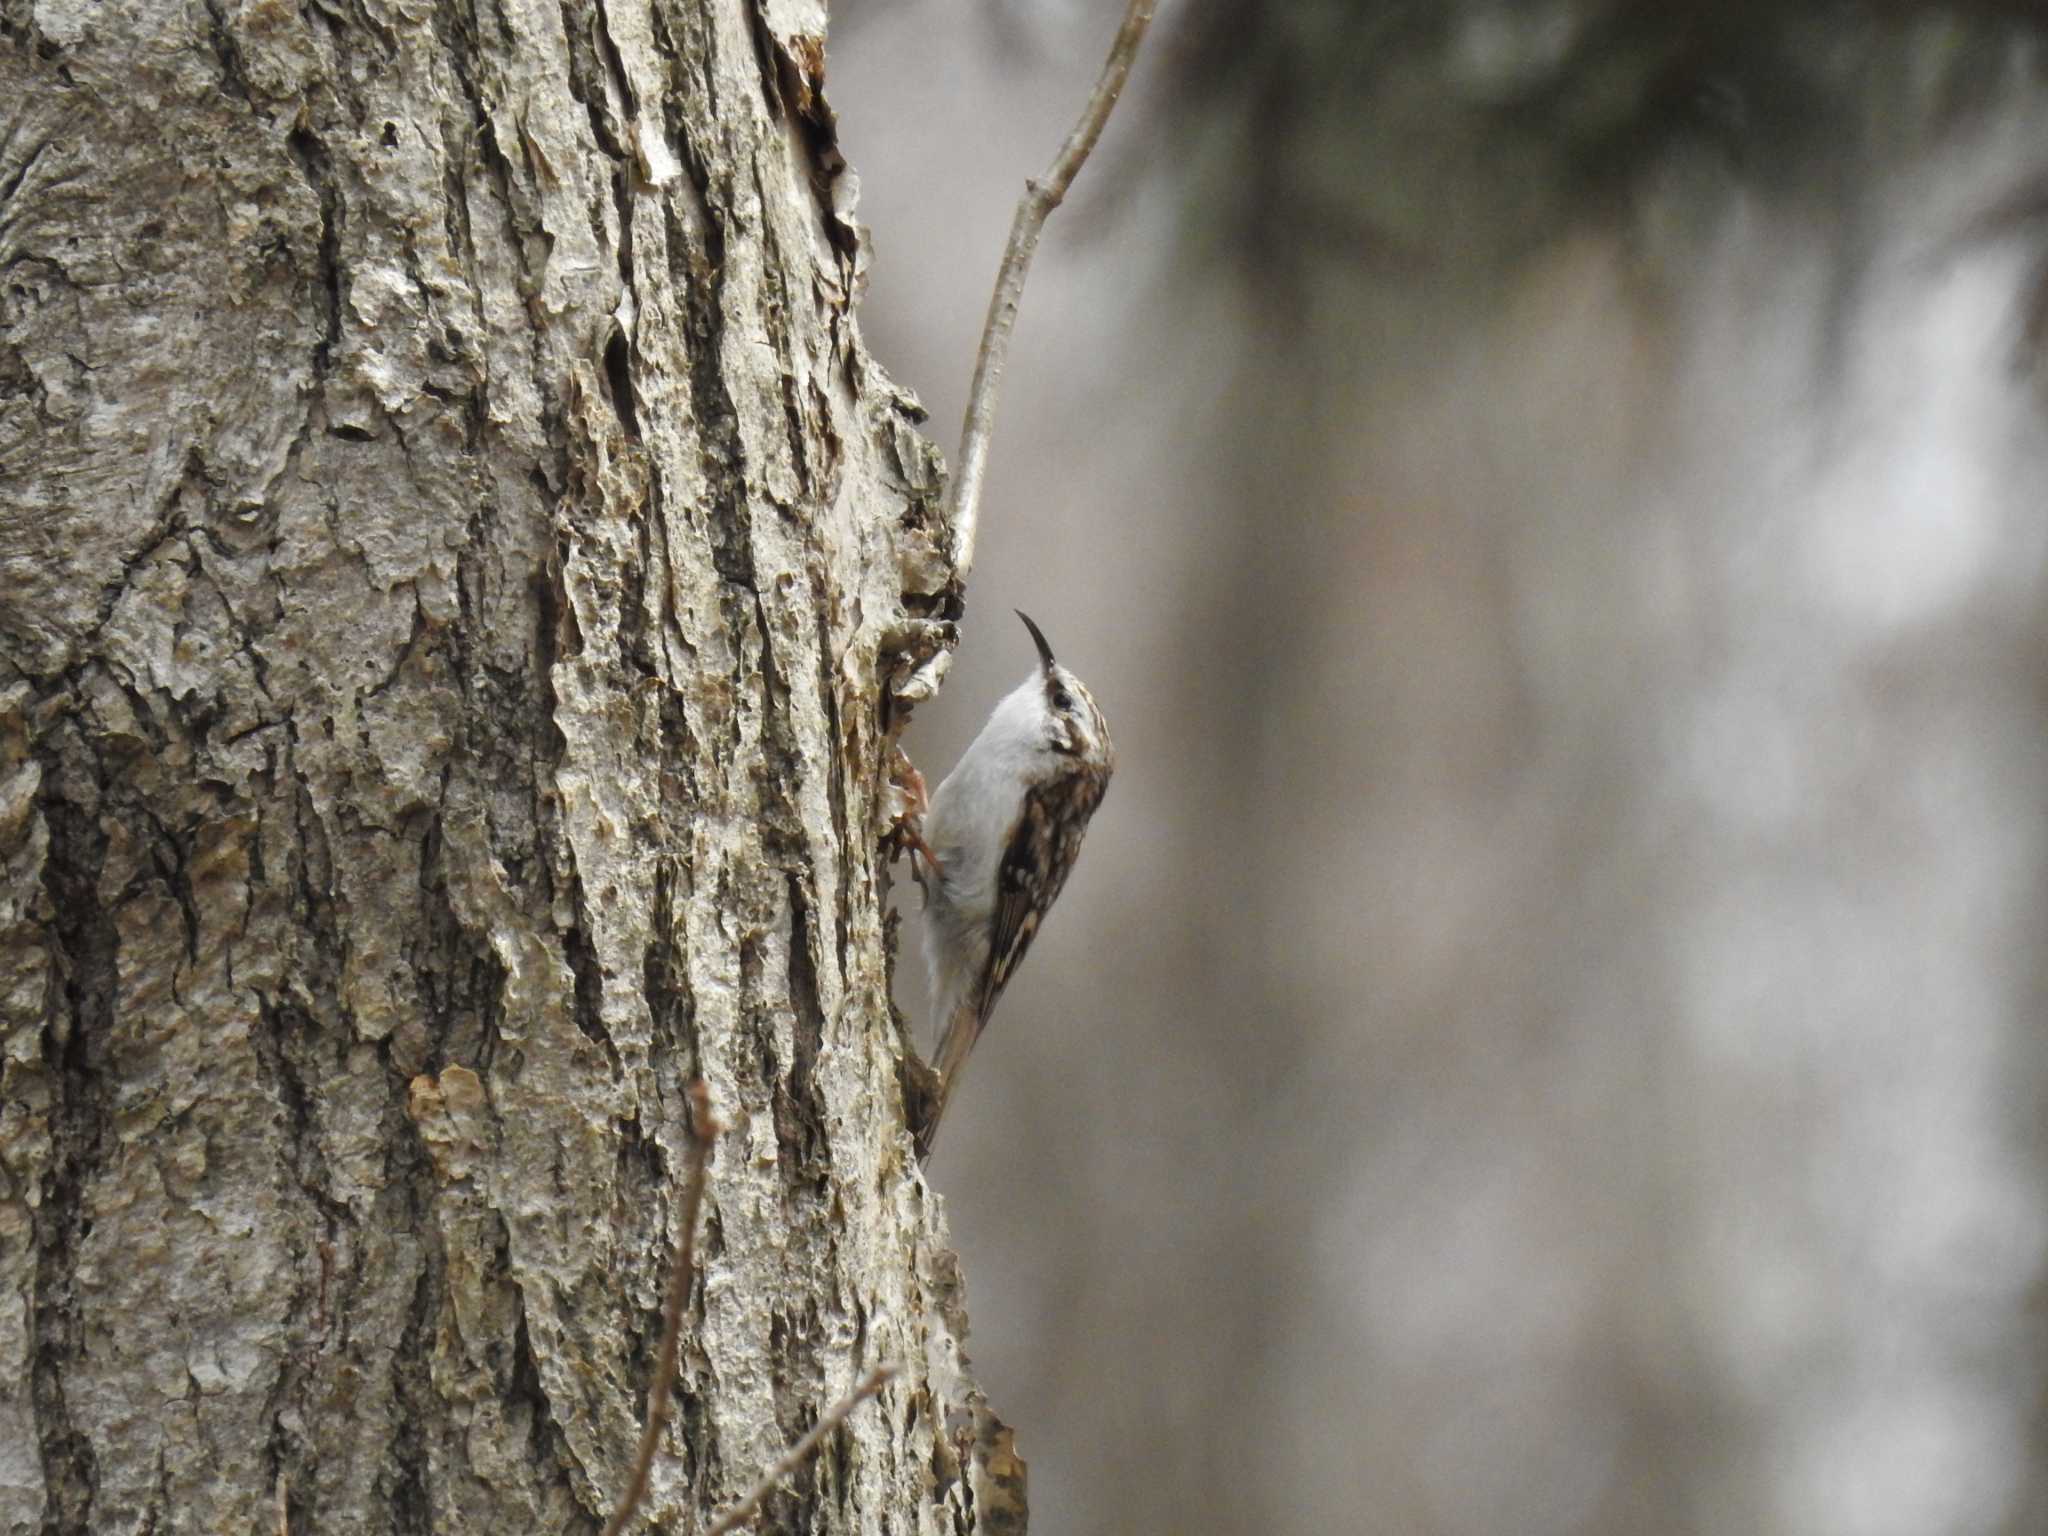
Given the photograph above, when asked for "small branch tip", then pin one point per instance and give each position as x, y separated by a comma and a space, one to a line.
803, 1450
703, 1125
703, 1129
1041, 196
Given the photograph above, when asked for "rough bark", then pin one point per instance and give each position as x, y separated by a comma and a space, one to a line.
453, 543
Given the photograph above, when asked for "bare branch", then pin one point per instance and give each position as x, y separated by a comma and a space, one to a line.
1039, 200
680, 1271
802, 1451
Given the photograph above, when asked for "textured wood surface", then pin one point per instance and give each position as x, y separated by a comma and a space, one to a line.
452, 542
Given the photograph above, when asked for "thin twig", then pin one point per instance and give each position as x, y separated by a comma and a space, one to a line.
1039, 200
802, 1451
680, 1272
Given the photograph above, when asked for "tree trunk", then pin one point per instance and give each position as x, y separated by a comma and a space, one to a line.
454, 545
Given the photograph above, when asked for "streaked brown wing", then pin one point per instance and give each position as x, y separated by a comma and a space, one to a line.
1041, 852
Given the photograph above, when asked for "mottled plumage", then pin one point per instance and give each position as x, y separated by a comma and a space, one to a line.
1005, 828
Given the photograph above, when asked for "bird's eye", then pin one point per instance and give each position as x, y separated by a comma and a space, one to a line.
1062, 700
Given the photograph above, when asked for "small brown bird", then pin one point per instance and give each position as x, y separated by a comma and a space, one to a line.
1003, 833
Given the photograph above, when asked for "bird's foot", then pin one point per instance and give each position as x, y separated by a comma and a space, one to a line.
909, 802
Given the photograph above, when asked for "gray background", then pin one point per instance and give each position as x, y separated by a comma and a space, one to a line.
1545, 1034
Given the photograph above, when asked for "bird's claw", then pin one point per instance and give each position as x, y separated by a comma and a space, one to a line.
910, 802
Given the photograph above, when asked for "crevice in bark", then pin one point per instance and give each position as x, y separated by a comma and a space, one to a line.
279, 1454
642, 1179
220, 37
419, 634
583, 965
287, 1033
460, 978
835, 783
764, 57
803, 1126
366, 17
313, 890
247, 629
311, 157
283, 1031
672, 1025
618, 365
601, 30
28, 156
167, 856
87, 946
653, 621
594, 63
17, 378
406, 1476
797, 1385
456, 33
775, 320
170, 526
145, 719
618, 359
558, 873
548, 1448
799, 1111
638, 617
699, 277
696, 1439
584, 82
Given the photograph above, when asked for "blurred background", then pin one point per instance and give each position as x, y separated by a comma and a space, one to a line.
1546, 1035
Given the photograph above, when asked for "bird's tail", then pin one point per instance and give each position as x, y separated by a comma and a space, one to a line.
963, 1028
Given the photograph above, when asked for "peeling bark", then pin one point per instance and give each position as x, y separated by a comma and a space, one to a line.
452, 549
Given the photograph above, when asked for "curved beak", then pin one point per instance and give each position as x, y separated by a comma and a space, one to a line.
1037, 638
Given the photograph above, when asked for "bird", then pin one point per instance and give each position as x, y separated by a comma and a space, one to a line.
1002, 833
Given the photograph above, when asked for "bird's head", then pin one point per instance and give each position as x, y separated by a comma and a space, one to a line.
1071, 731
